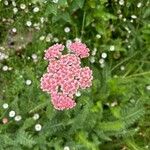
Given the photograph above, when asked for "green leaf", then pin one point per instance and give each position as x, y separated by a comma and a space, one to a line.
39, 107
111, 126
116, 112
80, 3
92, 3
103, 136
146, 13
63, 3
76, 4
63, 15
51, 9
132, 145
89, 19
28, 123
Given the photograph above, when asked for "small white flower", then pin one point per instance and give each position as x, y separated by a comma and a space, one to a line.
120, 16
126, 40
15, 10
137, 129
131, 20
55, 1
139, 4
5, 68
133, 16
112, 48
119, 11
38, 127
114, 104
48, 37
26, 10
122, 68
34, 56
94, 52
12, 114
42, 19
28, 82
18, 118
22, 6
14, 30
104, 55
121, 2
36, 9
98, 36
147, 4
148, 87
67, 29
6, 2
66, 148
28, 58
92, 59
13, 3
36, 116
10, 68
21, 76
124, 19
78, 94
146, 146
42, 38
68, 43
3, 56
77, 39
101, 61
129, 46
129, 31
5, 106
2, 48
28, 23
102, 65
56, 39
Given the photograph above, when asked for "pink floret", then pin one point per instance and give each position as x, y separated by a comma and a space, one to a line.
86, 77
62, 102
54, 51
48, 83
79, 49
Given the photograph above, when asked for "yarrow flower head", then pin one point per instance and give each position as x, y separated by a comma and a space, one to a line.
65, 76
54, 51
79, 49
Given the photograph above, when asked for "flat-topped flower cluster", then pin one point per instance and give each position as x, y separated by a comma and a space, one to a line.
65, 76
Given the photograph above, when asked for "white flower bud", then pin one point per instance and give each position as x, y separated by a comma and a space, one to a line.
38, 127
28, 82
12, 114
5, 106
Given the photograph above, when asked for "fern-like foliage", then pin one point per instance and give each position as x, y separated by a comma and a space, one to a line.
25, 139
132, 112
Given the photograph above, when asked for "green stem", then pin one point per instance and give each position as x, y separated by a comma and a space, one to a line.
83, 22
138, 74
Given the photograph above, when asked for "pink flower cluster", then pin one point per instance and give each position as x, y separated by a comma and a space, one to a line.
65, 76
79, 49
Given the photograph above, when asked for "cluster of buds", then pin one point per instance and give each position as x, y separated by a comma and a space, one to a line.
65, 76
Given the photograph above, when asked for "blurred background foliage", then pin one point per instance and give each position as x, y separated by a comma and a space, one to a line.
114, 113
